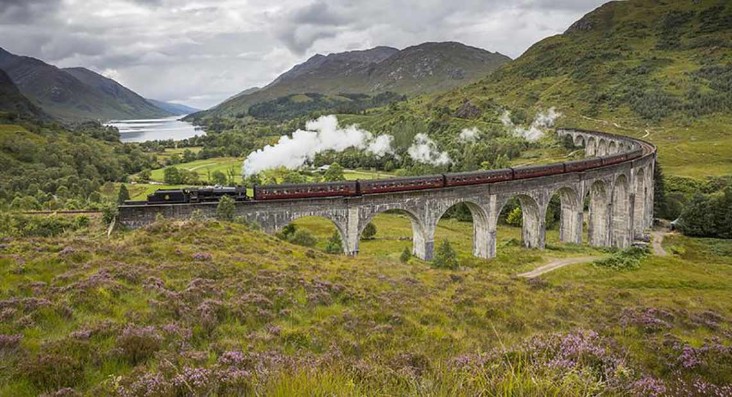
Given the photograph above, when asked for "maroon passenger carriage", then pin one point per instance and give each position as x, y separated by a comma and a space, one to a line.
401, 184
478, 177
305, 190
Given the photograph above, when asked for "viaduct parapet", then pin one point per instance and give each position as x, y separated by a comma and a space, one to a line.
620, 204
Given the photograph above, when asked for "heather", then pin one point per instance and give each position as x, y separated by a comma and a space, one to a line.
216, 309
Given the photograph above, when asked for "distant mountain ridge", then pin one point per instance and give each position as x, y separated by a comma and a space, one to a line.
173, 108
420, 69
74, 94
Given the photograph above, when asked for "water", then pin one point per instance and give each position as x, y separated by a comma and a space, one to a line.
155, 129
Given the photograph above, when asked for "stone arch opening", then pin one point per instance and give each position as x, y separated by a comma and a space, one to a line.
448, 223
564, 212
598, 222
602, 148
320, 228
524, 210
579, 140
621, 213
393, 235
612, 147
639, 203
591, 146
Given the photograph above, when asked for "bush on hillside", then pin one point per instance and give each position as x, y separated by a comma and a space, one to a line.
335, 244
369, 231
627, 259
303, 237
445, 257
39, 226
225, 209
708, 215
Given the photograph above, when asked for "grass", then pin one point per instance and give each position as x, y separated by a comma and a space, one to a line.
203, 167
302, 322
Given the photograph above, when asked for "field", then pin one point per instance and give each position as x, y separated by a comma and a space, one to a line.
191, 308
204, 167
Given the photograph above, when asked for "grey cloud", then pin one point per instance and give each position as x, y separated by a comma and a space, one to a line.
204, 51
24, 11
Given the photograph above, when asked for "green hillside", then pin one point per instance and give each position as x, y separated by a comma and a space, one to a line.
194, 308
661, 70
49, 167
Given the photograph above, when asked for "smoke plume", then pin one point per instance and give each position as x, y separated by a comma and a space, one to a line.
542, 121
318, 136
469, 135
424, 150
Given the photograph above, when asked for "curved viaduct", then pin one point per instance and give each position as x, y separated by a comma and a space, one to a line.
620, 204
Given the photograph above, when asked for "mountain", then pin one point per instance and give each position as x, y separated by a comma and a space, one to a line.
12, 101
420, 69
129, 100
655, 69
248, 91
173, 108
74, 94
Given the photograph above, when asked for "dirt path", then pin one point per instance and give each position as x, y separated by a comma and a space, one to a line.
657, 237
556, 264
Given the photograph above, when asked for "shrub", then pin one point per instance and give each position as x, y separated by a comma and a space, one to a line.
708, 215
123, 195
515, 217
109, 213
626, 259
369, 231
303, 237
139, 343
335, 244
406, 255
226, 209
445, 256
287, 232
52, 371
39, 226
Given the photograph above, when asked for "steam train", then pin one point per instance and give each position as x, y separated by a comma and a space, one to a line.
376, 186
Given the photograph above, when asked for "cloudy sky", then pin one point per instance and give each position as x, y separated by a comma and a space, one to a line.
199, 52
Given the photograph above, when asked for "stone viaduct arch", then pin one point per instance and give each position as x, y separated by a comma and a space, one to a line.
620, 204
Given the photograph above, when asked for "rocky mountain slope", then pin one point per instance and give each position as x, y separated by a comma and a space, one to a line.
425, 68
74, 94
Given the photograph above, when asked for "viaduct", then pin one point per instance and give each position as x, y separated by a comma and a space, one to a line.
620, 204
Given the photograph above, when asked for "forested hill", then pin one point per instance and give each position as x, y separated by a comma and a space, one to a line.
425, 68
659, 69
74, 95
14, 104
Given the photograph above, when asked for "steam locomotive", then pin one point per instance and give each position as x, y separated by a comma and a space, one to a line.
210, 194
358, 188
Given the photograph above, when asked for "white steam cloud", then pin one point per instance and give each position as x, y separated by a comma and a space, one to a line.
469, 135
319, 135
542, 121
424, 150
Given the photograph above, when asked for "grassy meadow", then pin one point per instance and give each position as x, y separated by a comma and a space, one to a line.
217, 309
